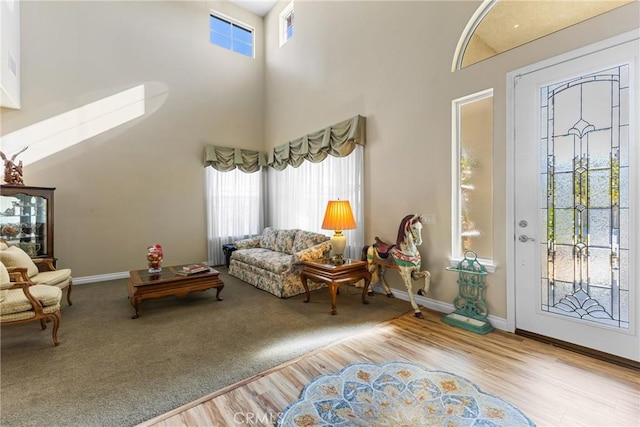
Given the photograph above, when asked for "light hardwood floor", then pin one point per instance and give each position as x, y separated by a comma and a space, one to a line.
552, 386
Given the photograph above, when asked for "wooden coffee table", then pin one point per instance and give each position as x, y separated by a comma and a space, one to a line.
335, 275
143, 285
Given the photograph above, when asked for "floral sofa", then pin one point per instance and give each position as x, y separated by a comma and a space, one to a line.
271, 261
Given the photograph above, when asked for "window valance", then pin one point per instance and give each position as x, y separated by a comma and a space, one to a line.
226, 159
338, 140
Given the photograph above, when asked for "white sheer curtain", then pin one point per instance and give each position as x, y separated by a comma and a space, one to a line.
235, 208
297, 197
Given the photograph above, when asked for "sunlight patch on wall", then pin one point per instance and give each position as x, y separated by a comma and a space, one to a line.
67, 129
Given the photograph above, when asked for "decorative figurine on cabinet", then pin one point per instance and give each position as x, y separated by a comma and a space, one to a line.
13, 172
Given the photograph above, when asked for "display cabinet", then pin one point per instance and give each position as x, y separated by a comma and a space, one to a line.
26, 219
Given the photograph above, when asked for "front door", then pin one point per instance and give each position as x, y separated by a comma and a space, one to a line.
576, 172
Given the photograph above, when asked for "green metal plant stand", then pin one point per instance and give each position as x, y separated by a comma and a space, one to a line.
471, 311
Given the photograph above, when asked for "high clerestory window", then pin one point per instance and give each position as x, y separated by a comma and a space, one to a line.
286, 23
231, 34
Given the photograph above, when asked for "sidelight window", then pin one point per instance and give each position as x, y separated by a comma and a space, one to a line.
472, 154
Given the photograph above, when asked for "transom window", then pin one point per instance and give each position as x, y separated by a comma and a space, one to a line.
230, 34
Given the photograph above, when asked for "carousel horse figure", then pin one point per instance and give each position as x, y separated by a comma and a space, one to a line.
403, 256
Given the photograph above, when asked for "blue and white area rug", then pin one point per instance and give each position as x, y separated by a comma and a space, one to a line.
397, 394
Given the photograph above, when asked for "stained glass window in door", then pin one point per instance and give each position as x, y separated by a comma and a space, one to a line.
584, 169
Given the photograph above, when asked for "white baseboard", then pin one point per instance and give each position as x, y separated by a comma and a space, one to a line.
442, 307
100, 278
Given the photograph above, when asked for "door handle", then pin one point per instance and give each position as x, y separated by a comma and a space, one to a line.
523, 238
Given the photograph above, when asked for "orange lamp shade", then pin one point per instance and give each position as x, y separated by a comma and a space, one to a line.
338, 216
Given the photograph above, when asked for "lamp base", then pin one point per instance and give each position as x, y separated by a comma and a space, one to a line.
338, 243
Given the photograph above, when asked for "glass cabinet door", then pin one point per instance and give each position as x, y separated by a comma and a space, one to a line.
25, 220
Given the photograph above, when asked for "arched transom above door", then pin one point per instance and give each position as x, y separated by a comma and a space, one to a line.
501, 25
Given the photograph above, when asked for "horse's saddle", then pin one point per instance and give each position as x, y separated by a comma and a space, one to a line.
383, 248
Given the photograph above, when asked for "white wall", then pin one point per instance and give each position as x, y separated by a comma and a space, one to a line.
391, 62
141, 182
10, 54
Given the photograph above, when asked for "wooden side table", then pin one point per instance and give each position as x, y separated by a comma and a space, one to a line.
335, 275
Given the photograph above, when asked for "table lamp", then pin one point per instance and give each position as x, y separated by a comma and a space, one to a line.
338, 217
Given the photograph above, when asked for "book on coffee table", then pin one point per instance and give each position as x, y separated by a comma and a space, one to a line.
192, 267
188, 270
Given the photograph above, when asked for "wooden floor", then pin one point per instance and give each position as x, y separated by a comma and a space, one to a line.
552, 386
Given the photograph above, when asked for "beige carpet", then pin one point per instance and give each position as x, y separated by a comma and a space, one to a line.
111, 370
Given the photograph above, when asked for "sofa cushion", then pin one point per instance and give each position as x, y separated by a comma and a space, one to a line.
16, 257
16, 301
52, 278
272, 261
268, 238
284, 242
245, 255
306, 239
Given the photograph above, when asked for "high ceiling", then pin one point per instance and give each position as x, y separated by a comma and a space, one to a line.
505, 24
259, 7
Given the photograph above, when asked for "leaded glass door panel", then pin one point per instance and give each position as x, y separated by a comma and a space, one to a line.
576, 147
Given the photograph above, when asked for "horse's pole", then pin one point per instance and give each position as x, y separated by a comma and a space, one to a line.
417, 275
